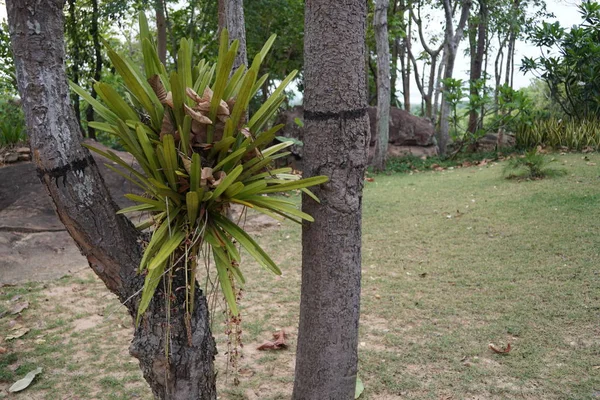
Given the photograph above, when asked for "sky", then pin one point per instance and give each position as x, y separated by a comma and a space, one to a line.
565, 11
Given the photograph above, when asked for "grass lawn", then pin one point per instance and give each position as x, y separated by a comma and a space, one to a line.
452, 261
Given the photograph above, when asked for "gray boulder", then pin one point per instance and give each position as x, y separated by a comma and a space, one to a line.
407, 131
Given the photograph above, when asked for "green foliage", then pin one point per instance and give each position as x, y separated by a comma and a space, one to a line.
412, 163
533, 165
198, 154
8, 79
12, 122
570, 62
557, 133
453, 95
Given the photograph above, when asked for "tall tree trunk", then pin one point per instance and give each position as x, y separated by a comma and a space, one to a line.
161, 27
72, 32
109, 241
383, 84
336, 142
98, 65
477, 55
396, 51
222, 15
452, 41
237, 30
438, 90
406, 74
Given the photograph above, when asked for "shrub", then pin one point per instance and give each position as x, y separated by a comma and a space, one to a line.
556, 133
12, 122
533, 165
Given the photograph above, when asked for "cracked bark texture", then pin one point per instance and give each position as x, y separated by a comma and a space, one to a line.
108, 241
335, 144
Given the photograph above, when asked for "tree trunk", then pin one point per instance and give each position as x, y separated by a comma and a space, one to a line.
72, 32
383, 84
336, 142
222, 15
429, 98
396, 51
452, 41
161, 27
109, 241
237, 30
98, 67
406, 74
477, 54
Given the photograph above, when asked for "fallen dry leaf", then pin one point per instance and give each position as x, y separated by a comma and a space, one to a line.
277, 344
17, 333
497, 350
370, 179
18, 307
591, 164
3, 350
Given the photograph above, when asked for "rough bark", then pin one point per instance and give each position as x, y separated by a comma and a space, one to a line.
336, 126
450, 49
477, 55
161, 27
237, 30
108, 241
98, 65
383, 83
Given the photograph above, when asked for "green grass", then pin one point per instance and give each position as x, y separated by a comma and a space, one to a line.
452, 261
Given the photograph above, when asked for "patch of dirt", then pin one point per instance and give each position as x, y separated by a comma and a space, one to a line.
90, 322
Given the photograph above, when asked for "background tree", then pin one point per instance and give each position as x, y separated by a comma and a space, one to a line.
452, 39
569, 63
336, 140
383, 83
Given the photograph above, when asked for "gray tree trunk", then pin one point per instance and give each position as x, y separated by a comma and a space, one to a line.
237, 30
161, 27
383, 84
109, 241
336, 140
452, 40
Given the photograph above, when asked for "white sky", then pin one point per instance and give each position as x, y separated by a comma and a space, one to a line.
566, 13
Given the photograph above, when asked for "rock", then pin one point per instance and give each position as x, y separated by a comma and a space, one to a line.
23, 150
10, 158
489, 142
405, 129
24, 157
418, 151
34, 244
407, 132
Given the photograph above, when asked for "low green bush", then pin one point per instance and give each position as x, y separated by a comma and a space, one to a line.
12, 122
533, 165
557, 133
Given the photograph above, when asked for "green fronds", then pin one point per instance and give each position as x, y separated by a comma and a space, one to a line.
197, 155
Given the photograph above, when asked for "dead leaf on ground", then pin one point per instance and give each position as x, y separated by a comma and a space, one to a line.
17, 332
3, 350
591, 164
370, 179
18, 307
503, 350
277, 344
24, 383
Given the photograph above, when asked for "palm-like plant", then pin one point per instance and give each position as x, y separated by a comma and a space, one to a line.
198, 155
533, 165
